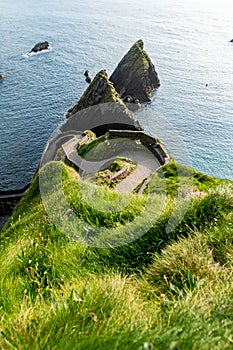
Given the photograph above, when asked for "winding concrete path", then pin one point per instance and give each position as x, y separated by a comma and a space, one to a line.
146, 164
54, 144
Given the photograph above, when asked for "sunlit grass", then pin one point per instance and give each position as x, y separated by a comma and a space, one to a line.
166, 290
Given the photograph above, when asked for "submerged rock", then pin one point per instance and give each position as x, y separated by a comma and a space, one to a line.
40, 46
135, 75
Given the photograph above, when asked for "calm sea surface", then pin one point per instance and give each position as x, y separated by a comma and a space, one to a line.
187, 41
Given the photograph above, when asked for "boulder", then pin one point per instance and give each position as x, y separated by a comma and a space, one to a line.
1, 77
132, 103
135, 75
40, 46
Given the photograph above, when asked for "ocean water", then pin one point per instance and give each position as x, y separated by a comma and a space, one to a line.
187, 41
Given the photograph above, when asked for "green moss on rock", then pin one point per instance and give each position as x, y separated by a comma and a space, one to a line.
101, 90
135, 75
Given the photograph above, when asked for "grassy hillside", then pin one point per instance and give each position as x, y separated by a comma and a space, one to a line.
168, 289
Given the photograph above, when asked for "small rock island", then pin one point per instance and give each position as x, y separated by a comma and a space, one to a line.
1, 76
40, 47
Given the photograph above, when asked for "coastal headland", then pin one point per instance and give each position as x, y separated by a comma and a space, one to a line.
107, 104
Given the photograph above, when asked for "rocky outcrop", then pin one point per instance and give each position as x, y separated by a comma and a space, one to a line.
107, 102
231, 41
1, 77
135, 75
132, 103
40, 46
99, 107
101, 90
88, 78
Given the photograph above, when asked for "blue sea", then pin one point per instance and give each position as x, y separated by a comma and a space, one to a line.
188, 41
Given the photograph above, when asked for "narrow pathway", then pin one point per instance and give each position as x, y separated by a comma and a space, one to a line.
147, 163
57, 142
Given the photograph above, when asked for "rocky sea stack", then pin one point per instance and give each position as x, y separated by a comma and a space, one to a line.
100, 105
111, 100
101, 90
135, 76
40, 46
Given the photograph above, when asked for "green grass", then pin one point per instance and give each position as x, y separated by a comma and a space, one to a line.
105, 176
85, 148
177, 177
166, 290
105, 146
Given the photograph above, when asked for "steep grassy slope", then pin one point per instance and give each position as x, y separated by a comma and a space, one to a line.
165, 290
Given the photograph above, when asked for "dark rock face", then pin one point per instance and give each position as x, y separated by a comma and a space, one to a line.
100, 105
88, 78
40, 46
3, 220
135, 75
100, 118
110, 101
101, 90
231, 41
